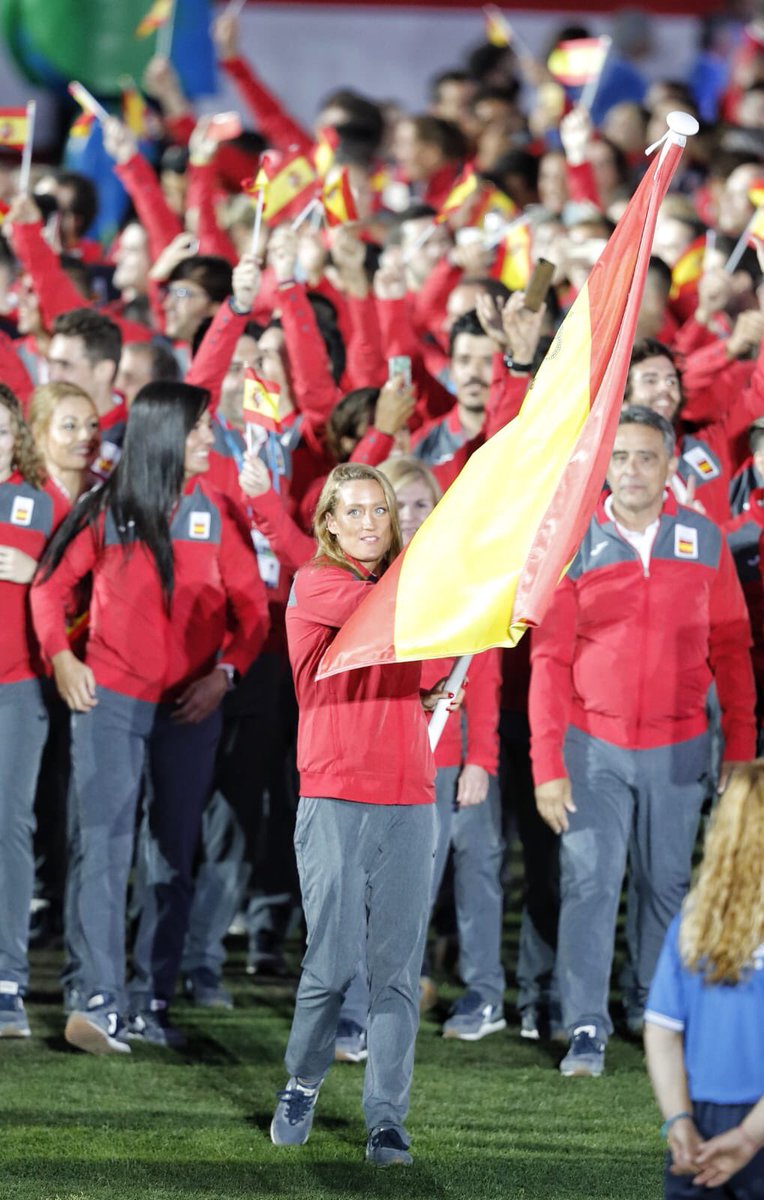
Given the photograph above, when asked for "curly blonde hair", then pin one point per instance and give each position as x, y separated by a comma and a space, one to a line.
328, 550
723, 915
26, 459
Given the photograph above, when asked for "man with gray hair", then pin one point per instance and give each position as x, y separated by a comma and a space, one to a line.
649, 614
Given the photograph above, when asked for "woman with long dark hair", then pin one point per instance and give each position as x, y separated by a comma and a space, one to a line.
178, 609
365, 830
28, 515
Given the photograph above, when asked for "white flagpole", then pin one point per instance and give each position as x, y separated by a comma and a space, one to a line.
26, 154
164, 35
440, 712
590, 89
424, 236
258, 221
235, 8
305, 213
740, 247
87, 101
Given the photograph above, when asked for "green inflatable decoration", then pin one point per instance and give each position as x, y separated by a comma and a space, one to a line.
91, 40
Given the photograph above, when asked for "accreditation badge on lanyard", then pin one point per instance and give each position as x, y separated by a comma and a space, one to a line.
267, 563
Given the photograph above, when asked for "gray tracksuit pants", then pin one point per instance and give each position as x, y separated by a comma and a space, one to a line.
643, 805
475, 834
23, 730
110, 745
365, 870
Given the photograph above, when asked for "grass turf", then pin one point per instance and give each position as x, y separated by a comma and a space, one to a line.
489, 1119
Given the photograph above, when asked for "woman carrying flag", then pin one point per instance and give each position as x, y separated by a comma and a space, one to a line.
365, 830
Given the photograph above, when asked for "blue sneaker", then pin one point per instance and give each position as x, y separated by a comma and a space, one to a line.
350, 1043
586, 1056
205, 990
98, 1028
472, 1018
13, 1018
151, 1023
293, 1118
387, 1147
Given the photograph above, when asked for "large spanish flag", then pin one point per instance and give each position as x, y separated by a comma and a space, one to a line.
485, 564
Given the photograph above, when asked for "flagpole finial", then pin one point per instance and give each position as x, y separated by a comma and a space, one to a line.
681, 125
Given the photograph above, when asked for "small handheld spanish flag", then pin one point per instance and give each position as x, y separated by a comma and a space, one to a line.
82, 125
134, 108
261, 402
338, 200
157, 16
577, 62
325, 150
474, 197
286, 181
756, 196
498, 30
514, 263
14, 127
466, 186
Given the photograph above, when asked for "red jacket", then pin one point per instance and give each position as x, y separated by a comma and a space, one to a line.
54, 289
218, 610
362, 734
271, 118
744, 533
28, 517
627, 655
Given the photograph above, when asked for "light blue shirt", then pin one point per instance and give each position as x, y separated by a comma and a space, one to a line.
722, 1024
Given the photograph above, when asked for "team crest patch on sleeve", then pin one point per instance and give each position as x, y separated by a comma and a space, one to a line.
21, 513
199, 526
685, 541
701, 462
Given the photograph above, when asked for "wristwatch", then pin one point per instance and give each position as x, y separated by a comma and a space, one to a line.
232, 675
512, 365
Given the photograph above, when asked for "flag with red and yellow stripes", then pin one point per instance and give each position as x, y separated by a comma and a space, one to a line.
261, 401
688, 268
498, 30
157, 16
577, 62
485, 564
325, 150
338, 199
756, 196
287, 181
514, 264
82, 125
135, 111
473, 197
14, 127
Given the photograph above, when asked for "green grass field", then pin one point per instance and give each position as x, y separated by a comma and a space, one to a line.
489, 1119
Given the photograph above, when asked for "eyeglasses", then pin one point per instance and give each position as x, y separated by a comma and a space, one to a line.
182, 293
